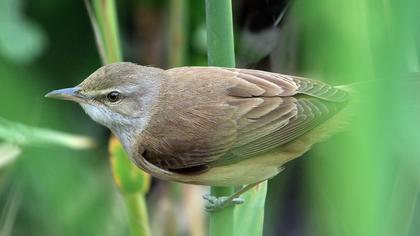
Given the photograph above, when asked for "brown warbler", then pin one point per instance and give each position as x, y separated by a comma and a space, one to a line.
210, 125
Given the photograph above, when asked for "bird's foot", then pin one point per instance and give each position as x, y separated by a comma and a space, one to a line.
214, 203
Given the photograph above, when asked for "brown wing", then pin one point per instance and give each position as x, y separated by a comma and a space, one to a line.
263, 129
239, 113
310, 112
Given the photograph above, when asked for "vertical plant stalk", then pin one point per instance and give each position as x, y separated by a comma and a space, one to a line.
406, 189
106, 18
220, 53
134, 185
177, 32
220, 33
220, 45
137, 214
132, 182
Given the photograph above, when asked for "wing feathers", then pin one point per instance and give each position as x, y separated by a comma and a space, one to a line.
310, 113
287, 85
268, 105
270, 89
243, 113
320, 90
245, 89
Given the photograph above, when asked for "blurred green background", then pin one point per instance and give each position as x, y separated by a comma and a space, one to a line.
362, 182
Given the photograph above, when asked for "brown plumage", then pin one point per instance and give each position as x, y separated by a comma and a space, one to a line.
211, 125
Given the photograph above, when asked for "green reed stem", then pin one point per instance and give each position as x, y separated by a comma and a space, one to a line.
137, 214
106, 18
220, 33
178, 15
220, 53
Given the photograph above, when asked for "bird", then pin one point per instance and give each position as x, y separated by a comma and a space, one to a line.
211, 125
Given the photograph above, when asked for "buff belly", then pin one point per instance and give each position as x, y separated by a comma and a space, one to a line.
241, 173
245, 172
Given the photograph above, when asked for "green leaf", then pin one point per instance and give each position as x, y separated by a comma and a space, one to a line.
20, 134
127, 176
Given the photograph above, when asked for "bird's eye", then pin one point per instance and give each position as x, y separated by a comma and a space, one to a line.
113, 96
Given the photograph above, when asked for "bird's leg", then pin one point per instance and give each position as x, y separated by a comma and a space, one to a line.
214, 203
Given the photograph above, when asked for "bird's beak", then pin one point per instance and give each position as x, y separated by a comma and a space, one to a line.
70, 94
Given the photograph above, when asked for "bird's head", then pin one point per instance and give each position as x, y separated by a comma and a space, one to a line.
118, 96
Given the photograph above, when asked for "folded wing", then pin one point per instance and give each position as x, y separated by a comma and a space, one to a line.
261, 111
